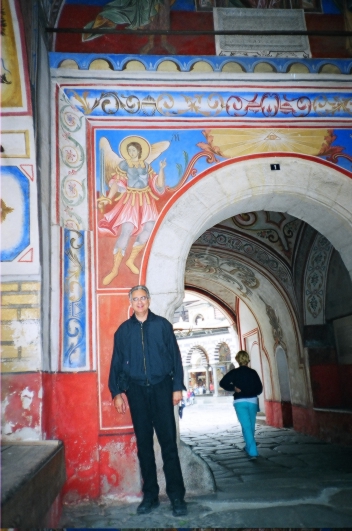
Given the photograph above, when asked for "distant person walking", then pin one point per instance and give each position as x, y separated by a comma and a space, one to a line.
247, 386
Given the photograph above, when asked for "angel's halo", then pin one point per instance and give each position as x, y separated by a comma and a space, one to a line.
140, 140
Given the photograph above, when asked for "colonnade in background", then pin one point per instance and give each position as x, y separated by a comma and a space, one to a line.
188, 369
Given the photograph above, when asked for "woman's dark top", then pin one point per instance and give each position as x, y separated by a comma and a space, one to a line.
244, 378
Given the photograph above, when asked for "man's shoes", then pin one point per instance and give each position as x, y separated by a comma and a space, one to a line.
179, 507
252, 457
147, 505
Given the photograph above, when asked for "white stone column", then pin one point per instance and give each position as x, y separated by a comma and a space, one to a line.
207, 378
215, 381
186, 369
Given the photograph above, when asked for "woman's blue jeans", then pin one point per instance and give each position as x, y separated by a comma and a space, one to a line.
246, 413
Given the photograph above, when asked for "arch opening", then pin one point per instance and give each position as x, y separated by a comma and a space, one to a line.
246, 186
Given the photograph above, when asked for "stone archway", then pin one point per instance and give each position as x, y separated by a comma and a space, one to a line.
305, 187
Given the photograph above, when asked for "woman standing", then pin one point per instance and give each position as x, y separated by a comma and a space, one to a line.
247, 386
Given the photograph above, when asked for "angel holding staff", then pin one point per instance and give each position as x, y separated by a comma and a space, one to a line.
134, 189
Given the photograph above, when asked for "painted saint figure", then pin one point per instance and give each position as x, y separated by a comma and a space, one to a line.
138, 14
134, 189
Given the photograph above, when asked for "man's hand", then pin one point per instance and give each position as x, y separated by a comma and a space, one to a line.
237, 389
176, 397
120, 404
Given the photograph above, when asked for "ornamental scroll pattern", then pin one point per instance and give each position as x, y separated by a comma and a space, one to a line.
258, 105
276, 229
276, 328
315, 280
226, 269
241, 245
73, 172
75, 330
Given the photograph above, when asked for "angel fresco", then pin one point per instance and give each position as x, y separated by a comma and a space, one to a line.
134, 188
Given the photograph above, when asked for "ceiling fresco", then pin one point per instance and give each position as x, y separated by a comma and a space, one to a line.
277, 230
215, 250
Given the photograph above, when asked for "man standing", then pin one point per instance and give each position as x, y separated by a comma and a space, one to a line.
146, 364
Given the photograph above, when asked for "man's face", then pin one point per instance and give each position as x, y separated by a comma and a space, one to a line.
140, 307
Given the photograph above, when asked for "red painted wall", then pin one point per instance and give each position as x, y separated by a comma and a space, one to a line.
330, 426
326, 46
71, 414
345, 374
78, 17
119, 468
273, 413
287, 418
325, 380
20, 412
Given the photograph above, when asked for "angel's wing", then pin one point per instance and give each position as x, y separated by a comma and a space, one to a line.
156, 150
109, 160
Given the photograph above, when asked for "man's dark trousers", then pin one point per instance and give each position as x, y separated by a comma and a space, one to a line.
151, 407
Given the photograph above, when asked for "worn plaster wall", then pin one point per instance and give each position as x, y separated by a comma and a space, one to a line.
21, 351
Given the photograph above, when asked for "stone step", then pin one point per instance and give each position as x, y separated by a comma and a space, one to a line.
33, 474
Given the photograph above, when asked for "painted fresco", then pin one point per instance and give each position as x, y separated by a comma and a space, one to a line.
315, 280
176, 15
15, 219
21, 335
138, 14
193, 15
279, 231
11, 89
19, 224
135, 176
328, 144
258, 104
19, 238
76, 330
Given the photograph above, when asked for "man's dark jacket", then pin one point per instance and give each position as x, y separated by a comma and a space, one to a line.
146, 353
244, 378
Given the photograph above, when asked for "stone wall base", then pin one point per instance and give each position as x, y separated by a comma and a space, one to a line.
329, 425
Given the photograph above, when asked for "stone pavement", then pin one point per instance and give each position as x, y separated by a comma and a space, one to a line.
298, 481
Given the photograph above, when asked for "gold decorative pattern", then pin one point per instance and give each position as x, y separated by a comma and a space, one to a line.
11, 93
230, 143
5, 210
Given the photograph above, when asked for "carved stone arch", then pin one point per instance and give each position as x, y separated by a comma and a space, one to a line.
218, 353
268, 302
201, 350
305, 187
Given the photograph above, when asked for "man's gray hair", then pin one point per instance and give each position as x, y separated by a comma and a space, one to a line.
135, 288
